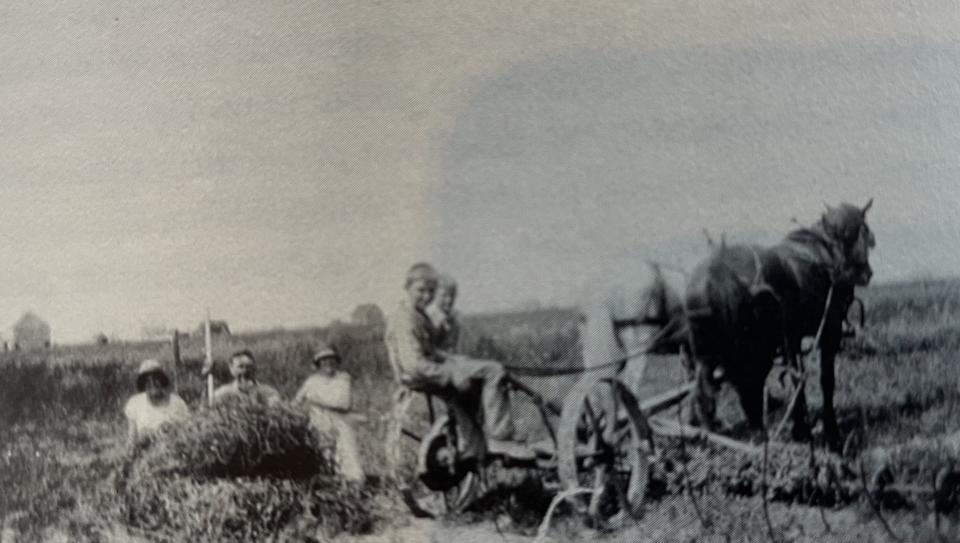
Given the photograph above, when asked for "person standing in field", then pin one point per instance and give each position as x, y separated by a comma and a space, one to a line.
245, 385
154, 404
445, 319
421, 366
327, 396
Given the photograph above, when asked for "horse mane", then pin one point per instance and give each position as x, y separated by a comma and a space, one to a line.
821, 244
811, 236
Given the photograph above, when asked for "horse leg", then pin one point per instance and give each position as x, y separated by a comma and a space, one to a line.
704, 408
801, 426
831, 432
750, 391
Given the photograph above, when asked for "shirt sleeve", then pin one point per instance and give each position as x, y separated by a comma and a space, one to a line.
411, 343
220, 394
271, 395
301, 394
128, 409
340, 393
180, 408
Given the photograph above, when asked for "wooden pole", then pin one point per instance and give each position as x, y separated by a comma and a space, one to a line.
209, 361
176, 357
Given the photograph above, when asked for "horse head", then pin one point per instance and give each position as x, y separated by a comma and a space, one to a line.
846, 226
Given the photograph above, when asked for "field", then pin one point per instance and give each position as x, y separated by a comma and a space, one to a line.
61, 433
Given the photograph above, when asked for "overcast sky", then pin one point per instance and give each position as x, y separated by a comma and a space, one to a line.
281, 162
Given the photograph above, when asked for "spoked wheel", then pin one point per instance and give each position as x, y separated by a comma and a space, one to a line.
433, 479
604, 447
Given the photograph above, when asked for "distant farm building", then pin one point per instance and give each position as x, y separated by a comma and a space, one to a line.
31, 333
155, 331
368, 315
217, 328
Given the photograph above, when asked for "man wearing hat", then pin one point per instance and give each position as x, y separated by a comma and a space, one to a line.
326, 394
245, 385
154, 404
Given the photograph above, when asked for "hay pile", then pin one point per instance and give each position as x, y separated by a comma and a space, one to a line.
241, 472
239, 439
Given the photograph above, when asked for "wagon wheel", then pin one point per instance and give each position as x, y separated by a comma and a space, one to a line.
610, 456
423, 461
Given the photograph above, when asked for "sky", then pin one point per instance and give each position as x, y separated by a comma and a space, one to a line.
280, 163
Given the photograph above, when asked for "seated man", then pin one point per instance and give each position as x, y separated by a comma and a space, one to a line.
326, 393
245, 384
410, 340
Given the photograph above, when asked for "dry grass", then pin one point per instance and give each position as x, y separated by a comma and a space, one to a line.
60, 423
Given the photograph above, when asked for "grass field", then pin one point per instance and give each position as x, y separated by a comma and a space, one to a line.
61, 428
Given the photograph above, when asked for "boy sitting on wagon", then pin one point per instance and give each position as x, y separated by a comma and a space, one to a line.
423, 367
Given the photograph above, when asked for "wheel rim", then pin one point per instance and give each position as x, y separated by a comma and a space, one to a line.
428, 486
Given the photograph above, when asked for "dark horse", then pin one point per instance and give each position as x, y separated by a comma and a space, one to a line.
746, 304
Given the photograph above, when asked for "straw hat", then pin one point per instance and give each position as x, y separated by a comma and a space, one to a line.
151, 367
325, 351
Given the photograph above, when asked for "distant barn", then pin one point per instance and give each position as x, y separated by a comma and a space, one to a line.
368, 315
31, 333
217, 328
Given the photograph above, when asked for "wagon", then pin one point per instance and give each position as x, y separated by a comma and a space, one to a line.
603, 464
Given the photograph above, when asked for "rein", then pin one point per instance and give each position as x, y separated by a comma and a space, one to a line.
647, 348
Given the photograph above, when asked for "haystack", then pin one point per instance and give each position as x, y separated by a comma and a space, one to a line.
239, 472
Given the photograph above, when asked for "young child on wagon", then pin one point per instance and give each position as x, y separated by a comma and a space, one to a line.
326, 394
423, 367
445, 319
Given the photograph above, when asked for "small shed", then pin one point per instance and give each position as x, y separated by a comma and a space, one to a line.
217, 328
368, 315
31, 333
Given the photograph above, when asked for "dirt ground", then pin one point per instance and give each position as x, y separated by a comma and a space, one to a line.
795, 524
